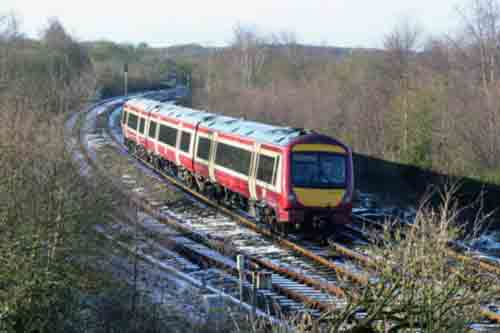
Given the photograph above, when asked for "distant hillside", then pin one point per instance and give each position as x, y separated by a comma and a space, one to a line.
187, 50
197, 50
103, 49
322, 51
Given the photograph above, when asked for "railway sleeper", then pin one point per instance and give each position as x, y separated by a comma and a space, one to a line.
259, 210
229, 198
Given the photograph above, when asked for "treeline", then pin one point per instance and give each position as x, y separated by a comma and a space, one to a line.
426, 102
47, 211
50, 279
56, 66
148, 68
51, 74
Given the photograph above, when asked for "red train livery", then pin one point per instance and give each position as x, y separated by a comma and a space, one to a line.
282, 176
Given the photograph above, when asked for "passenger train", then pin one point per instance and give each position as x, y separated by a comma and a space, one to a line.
279, 175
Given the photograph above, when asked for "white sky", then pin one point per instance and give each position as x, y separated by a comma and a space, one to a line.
210, 22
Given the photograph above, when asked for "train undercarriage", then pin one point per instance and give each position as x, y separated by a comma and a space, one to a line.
259, 210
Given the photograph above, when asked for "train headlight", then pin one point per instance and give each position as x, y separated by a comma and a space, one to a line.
292, 198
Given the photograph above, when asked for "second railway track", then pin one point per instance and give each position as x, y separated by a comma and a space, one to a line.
303, 271
316, 263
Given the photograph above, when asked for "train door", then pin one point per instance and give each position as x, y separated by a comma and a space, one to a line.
147, 139
213, 151
252, 182
123, 116
178, 145
142, 127
125, 122
153, 134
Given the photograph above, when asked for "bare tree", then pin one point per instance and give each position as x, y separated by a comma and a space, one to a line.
9, 35
481, 21
479, 50
252, 52
287, 40
68, 67
401, 45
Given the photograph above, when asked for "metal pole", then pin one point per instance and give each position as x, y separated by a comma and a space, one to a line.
204, 282
126, 83
125, 78
242, 278
254, 296
240, 263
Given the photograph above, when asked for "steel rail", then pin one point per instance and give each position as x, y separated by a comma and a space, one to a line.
357, 278
150, 209
479, 262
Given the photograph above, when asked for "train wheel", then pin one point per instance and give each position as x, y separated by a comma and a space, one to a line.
157, 163
272, 221
211, 192
284, 229
191, 183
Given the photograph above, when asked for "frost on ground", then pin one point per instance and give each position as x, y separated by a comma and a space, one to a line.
486, 246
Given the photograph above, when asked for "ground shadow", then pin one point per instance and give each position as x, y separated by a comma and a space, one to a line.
399, 184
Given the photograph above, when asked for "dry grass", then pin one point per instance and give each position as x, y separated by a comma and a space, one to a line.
418, 286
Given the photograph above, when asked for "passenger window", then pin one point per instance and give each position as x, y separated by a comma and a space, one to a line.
203, 148
132, 121
152, 130
168, 135
233, 158
265, 171
142, 125
185, 142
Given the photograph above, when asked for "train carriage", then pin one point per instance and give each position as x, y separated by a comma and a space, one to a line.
283, 176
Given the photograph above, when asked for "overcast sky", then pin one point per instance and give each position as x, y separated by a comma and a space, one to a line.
210, 22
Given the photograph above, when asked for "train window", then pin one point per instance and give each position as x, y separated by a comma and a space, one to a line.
142, 125
276, 169
152, 129
185, 141
132, 121
124, 116
319, 170
168, 135
266, 169
203, 148
233, 158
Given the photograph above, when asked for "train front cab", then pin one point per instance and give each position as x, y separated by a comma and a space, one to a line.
319, 184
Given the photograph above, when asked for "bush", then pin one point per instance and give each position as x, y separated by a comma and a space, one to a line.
417, 285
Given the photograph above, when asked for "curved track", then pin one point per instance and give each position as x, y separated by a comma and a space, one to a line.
285, 282
303, 271
348, 263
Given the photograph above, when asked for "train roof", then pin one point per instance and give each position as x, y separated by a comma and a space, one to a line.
263, 133
145, 104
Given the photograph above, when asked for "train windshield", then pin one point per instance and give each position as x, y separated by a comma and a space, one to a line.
318, 170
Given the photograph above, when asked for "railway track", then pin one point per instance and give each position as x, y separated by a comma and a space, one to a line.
214, 280
375, 221
366, 219
307, 273
345, 266
303, 273
292, 284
